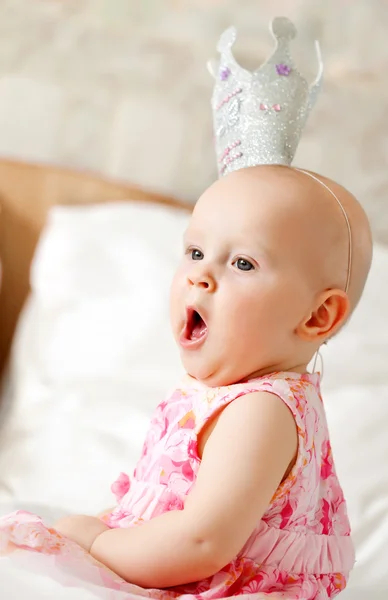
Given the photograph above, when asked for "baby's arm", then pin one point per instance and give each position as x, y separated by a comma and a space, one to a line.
243, 462
82, 529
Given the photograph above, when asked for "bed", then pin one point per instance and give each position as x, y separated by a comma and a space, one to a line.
86, 352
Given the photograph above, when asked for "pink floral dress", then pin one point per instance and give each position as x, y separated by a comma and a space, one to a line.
300, 549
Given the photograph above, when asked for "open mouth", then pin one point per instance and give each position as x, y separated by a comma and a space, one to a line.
195, 330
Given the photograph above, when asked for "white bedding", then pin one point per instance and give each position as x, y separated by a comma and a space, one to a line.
19, 585
94, 354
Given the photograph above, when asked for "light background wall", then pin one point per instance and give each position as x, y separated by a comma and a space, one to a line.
120, 87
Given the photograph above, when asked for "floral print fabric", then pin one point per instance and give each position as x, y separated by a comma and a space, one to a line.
300, 549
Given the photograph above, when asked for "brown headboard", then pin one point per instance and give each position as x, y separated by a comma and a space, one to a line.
27, 191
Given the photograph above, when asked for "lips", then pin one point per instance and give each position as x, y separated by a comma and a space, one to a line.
195, 329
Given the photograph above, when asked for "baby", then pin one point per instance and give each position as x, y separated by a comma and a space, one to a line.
236, 487
236, 492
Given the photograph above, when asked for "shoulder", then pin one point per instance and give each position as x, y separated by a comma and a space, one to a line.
299, 392
293, 389
257, 417
252, 418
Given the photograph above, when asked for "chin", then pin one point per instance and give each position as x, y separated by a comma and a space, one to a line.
200, 370
207, 374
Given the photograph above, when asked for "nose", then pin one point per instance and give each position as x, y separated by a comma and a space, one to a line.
201, 278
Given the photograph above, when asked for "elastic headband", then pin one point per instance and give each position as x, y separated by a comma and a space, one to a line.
346, 220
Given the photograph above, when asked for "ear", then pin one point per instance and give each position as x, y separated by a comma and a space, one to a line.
332, 310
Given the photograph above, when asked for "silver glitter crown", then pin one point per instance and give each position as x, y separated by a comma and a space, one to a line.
259, 116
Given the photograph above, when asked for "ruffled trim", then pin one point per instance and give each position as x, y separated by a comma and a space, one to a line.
121, 486
300, 552
143, 502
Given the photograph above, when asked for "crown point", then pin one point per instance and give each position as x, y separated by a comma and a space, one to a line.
282, 27
227, 40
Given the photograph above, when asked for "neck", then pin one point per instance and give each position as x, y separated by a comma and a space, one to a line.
286, 367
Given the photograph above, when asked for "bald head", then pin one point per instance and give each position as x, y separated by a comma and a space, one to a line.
361, 243
313, 223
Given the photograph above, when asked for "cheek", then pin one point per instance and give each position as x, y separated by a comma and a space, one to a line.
244, 310
284, 304
176, 293
261, 307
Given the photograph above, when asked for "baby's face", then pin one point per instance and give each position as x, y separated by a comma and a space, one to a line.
245, 282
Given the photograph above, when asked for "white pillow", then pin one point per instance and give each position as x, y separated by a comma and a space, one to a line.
93, 353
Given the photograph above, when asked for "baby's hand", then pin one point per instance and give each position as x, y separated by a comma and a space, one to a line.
81, 529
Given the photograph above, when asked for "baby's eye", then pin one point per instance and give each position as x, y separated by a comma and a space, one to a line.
243, 264
196, 254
